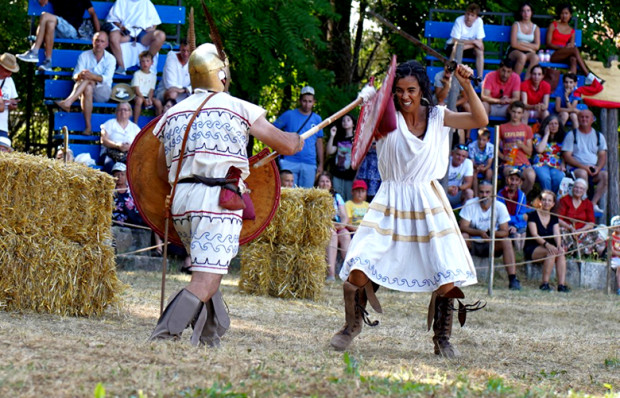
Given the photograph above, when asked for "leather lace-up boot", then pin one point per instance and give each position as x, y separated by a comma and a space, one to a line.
355, 300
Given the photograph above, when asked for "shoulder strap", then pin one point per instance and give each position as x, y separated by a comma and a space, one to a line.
306, 121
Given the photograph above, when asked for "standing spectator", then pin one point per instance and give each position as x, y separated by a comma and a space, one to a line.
286, 179
369, 172
516, 203
482, 153
515, 141
500, 88
125, 210
340, 144
542, 226
535, 94
460, 177
93, 79
8, 93
469, 30
143, 83
133, 20
475, 223
117, 135
524, 40
5, 142
547, 161
175, 83
64, 24
566, 102
307, 164
340, 235
615, 249
585, 152
358, 206
561, 42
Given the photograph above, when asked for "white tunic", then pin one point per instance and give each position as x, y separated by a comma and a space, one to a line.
409, 240
217, 141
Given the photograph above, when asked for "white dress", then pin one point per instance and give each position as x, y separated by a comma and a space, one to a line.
409, 239
217, 141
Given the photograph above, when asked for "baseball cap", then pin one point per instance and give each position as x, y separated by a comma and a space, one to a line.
359, 184
118, 166
515, 172
615, 221
307, 90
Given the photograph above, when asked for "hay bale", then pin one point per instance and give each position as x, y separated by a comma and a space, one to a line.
55, 237
288, 260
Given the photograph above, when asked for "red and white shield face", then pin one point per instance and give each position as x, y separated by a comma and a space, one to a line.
370, 117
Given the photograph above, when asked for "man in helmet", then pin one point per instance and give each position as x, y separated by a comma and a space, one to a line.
215, 150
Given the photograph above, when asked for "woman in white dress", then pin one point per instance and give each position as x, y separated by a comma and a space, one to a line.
409, 240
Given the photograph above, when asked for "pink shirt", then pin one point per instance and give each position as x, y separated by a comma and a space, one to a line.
535, 96
493, 83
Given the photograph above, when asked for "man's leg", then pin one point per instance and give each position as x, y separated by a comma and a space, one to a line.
529, 176
86, 100
601, 186
204, 285
154, 40
307, 174
509, 263
78, 89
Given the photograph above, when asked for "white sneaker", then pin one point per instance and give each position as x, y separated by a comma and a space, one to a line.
29, 56
45, 66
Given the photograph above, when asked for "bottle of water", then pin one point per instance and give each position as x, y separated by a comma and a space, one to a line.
547, 56
541, 55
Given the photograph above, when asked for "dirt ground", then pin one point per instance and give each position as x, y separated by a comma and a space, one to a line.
527, 343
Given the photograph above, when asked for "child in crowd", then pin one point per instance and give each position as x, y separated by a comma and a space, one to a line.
481, 152
615, 249
566, 102
143, 83
515, 141
358, 206
287, 179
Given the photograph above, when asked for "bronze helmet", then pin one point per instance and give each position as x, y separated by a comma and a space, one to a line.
207, 70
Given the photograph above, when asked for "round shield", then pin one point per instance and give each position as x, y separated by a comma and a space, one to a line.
149, 191
370, 117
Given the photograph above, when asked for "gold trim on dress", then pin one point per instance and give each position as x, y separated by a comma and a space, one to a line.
405, 238
402, 214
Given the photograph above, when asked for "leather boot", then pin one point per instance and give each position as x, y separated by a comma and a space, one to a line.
355, 300
212, 323
179, 313
442, 327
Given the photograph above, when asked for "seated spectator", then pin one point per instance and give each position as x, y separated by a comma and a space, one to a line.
5, 142
577, 215
358, 206
535, 94
545, 242
615, 249
60, 154
369, 172
340, 235
585, 153
561, 42
175, 83
116, 136
133, 20
482, 153
442, 83
93, 79
515, 142
524, 40
125, 210
460, 177
340, 144
500, 88
143, 84
475, 223
63, 24
469, 30
516, 203
566, 102
547, 161
286, 179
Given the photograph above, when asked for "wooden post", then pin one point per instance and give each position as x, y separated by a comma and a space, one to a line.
611, 136
493, 215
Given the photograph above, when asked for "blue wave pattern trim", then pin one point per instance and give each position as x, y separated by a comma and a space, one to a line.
438, 279
216, 133
215, 242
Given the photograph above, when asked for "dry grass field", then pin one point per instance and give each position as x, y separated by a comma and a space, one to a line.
524, 344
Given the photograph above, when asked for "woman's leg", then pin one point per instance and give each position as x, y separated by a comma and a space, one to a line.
332, 253
541, 253
543, 176
560, 269
556, 178
519, 58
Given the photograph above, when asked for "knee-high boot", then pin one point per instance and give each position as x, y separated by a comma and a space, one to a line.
212, 322
178, 315
355, 300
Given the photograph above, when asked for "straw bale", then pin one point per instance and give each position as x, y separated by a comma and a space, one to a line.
290, 225
255, 265
318, 215
55, 237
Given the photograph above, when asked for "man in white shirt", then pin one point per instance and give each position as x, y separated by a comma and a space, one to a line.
8, 66
175, 83
469, 30
460, 177
93, 79
475, 223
